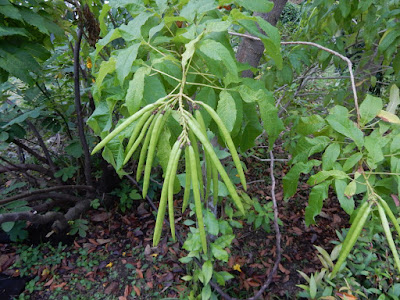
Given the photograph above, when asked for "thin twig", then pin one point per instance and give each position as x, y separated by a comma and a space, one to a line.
270, 159
342, 57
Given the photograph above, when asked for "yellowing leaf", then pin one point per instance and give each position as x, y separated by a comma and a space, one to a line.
388, 117
236, 267
109, 265
89, 63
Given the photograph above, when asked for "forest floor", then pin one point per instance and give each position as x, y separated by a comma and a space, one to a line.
116, 259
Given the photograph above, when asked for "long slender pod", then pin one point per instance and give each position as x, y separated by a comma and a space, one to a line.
209, 148
138, 129
208, 164
193, 141
158, 127
389, 236
197, 200
352, 236
390, 214
171, 191
214, 172
124, 124
163, 200
188, 180
228, 140
145, 147
138, 140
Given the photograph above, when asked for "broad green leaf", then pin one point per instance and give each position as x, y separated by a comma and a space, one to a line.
388, 38
7, 226
190, 48
162, 5
351, 161
310, 125
224, 240
313, 287
226, 109
339, 121
394, 99
272, 124
306, 147
125, 59
373, 144
291, 179
388, 117
330, 156
112, 35
256, 5
211, 223
197, 8
248, 94
315, 201
252, 128
8, 31
132, 31
106, 67
395, 145
219, 253
323, 175
206, 292
346, 203
369, 108
11, 12
218, 52
134, 95
345, 8
207, 270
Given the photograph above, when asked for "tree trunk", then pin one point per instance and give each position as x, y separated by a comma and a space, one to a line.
251, 51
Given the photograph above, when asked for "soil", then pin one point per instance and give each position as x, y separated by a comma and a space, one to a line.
128, 265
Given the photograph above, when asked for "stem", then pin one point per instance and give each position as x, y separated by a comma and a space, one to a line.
78, 109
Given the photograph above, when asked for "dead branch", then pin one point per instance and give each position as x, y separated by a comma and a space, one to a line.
35, 218
45, 191
29, 150
26, 167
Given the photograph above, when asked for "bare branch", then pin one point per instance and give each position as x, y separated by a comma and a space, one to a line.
26, 167
44, 191
29, 150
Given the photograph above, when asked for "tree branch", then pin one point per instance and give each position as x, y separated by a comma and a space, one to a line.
29, 150
78, 109
44, 191
36, 218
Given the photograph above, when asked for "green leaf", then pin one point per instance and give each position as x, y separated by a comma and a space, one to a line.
346, 203
190, 48
330, 156
106, 67
134, 95
315, 201
197, 8
350, 189
74, 149
125, 59
211, 223
323, 175
351, 161
132, 31
112, 35
217, 51
7, 226
219, 253
345, 8
207, 270
394, 99
313, 287
226, 109
103, 16
339, 121
310, 125
206, 292
8, 31
269, 115
373, 144
224, 240
369, 108
256, 5
290, 181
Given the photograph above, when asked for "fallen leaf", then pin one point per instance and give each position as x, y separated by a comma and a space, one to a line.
112, 287
101, 217
346, 296
283, 270
137, 290
139, 273
103, 241
48, 283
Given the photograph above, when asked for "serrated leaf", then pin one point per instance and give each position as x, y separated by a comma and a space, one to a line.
272, 124
134, 95
315, 201
340, 122
132, 30
369, 108
218, 52
125, 59
323, 175
226, 109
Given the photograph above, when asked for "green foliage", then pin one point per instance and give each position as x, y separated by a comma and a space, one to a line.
79, 226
